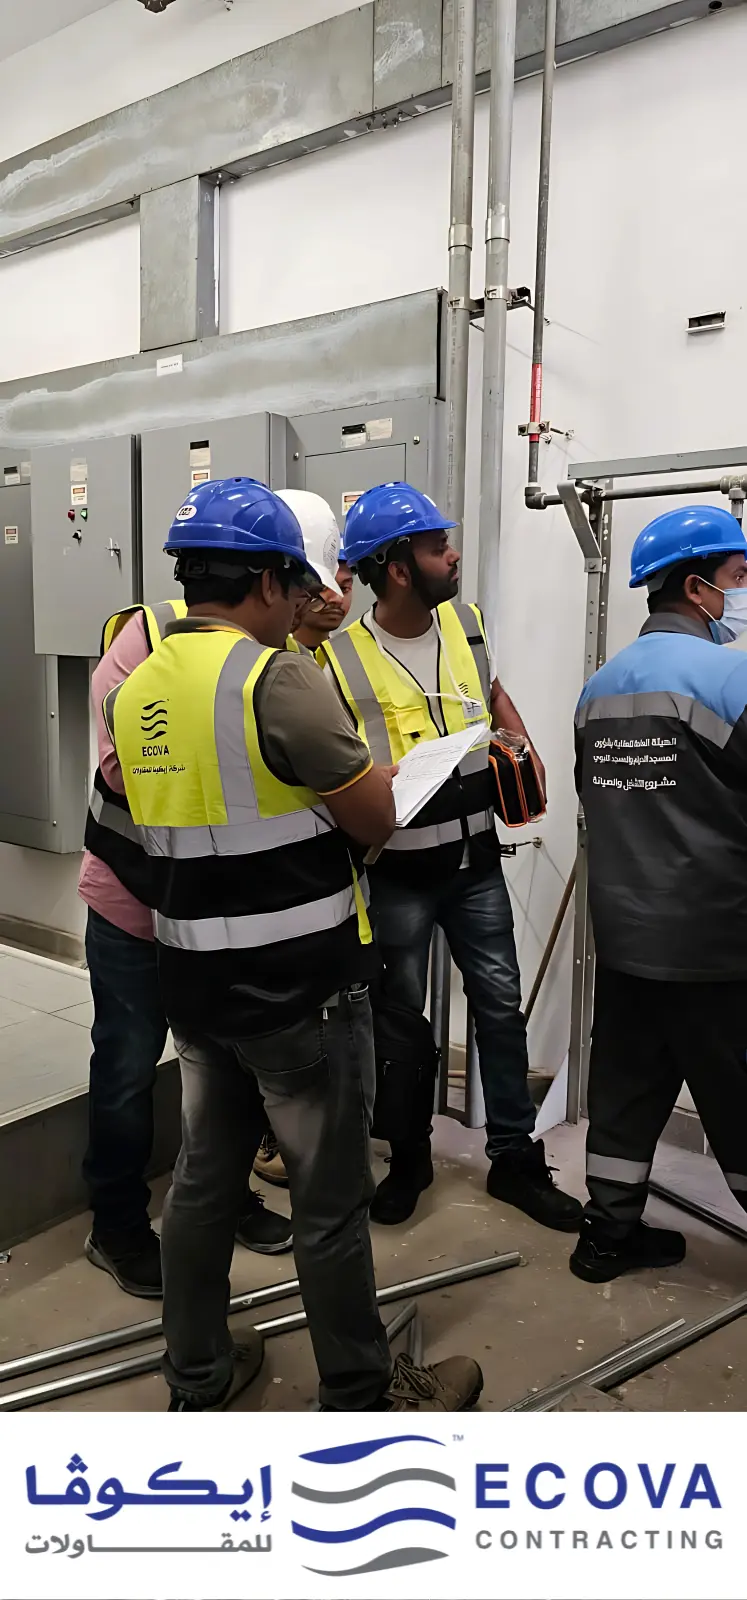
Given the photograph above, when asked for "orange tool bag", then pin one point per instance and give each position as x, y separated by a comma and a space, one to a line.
519, 795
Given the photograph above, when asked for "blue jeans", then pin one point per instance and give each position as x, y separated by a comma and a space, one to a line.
474, 910
129, 1037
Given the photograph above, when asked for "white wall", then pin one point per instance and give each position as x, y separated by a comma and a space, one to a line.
645, 229
123, 53
64, 304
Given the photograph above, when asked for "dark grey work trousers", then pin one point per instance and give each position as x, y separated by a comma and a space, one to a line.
648, 1038
317, 1081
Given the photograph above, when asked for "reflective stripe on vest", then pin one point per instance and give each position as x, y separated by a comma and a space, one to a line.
246, 933
393, 715
111, 834
202, 792
414, 838
113, 816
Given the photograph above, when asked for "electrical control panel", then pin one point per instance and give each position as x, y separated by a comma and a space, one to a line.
176, 460
43, 701
85, 518
339, 454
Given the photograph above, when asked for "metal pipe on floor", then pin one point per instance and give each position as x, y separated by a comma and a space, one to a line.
497, 233
545, 1399
459, 310
540, 276
695, 1208
138, 1333
403, 1319
630, 1363
140, 1366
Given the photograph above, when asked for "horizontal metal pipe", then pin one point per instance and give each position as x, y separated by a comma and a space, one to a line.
546, 1398
629, 1363
694, 1208
655, 491
137, 1333
140, 1366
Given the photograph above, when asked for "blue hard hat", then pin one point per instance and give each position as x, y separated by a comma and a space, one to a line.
689, 533
238, 514
389, 512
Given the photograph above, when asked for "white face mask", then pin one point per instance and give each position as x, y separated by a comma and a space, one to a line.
733, 619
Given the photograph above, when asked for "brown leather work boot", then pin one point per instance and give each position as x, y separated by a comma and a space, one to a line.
269, 1163
452, 1385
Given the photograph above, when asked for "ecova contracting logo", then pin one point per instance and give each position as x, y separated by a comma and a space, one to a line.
373, 1505
154, 719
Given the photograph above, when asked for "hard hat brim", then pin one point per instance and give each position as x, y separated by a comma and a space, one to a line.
326, 578
199, 546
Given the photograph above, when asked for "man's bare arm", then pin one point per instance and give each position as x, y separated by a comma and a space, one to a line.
364, 809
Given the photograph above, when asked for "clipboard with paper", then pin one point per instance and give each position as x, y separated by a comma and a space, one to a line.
427, 766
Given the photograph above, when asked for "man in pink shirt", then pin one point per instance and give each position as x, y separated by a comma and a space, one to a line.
129, 1030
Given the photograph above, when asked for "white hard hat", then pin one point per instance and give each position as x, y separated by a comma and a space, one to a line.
321, 535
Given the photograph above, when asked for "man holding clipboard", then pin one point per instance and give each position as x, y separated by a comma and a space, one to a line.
416, 668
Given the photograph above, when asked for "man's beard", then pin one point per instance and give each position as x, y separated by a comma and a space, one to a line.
433, 591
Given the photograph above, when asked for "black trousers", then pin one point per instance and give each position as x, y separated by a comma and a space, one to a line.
649, 1038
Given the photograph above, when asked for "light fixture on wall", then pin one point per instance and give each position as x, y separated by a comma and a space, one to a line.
156, 5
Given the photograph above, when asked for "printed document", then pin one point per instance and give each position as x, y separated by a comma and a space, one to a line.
423, 770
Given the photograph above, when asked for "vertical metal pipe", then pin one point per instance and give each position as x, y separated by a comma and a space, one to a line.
460, 256
502, 65
540, 275
441, 1013
474, 1102
584, 957
460, 300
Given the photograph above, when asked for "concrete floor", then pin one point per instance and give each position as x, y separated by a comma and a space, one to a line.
46, 1015
527, 1326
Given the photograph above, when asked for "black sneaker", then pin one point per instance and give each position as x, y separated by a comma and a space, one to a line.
523, 1179
247, 1361
265, 1232
132, 1259
410, 1173
597, 1258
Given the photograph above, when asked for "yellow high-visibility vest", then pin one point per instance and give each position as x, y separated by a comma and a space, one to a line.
156, 620
244, 864
111, 834
392, 714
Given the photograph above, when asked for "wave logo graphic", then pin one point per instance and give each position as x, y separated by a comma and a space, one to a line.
374, 1505
154, 719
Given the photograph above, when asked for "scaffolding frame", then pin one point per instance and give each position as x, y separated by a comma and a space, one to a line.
592, 485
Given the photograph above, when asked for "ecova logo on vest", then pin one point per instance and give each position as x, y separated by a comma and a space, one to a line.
373, 1505
154, 724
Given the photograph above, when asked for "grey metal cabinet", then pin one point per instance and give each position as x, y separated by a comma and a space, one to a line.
85, 517
176, 460
339, 454
43, 701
